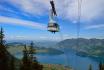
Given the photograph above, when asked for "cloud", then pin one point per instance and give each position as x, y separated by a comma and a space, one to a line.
16, 37
67, 9
14, 21
35, 7
100, 26
91, 9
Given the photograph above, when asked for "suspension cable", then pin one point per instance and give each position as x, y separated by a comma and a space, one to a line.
65, 54
78, 22
62, 47
78, 27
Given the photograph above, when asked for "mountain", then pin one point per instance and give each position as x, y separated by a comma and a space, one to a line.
90, 47
16, 48
43, 43
15, 44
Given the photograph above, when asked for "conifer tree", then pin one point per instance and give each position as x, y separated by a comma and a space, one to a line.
1, 36
3, 53
100, 66
29, 62
25, 60
12, 67
90, 67
34, 63
31, 51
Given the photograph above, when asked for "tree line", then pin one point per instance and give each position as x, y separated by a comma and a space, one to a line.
9, 62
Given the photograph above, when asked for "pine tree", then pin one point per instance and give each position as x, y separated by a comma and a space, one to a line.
34, 63
25, 61
31, 51
29, 62
1, 36
3, 53
90, 67
100, 66
12, 67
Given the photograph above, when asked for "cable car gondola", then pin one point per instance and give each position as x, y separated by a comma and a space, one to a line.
53, 25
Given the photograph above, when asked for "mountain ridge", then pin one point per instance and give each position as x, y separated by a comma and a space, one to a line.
85, 47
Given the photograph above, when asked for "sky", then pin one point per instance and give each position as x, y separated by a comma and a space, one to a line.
28, 19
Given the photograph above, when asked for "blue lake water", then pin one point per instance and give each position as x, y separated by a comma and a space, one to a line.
72, 60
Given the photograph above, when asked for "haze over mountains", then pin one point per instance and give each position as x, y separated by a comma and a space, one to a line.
16, 48
87, 47
90, 47
83, 43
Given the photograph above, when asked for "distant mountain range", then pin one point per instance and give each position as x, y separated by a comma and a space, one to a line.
90, 47
84, 47
42, 43
17, 47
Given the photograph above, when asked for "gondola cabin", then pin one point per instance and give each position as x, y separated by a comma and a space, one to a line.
53, 26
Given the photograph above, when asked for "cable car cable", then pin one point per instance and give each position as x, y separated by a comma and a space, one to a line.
64, 50
78, 27
78, 22
62, 47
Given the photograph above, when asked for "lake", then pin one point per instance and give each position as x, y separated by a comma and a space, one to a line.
70, 59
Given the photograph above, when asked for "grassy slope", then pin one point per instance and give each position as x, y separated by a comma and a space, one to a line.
55, 67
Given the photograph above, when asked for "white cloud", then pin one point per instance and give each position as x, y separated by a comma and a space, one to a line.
100, 26
16, 37
91, 9
68, 9
35, 7
14, 21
